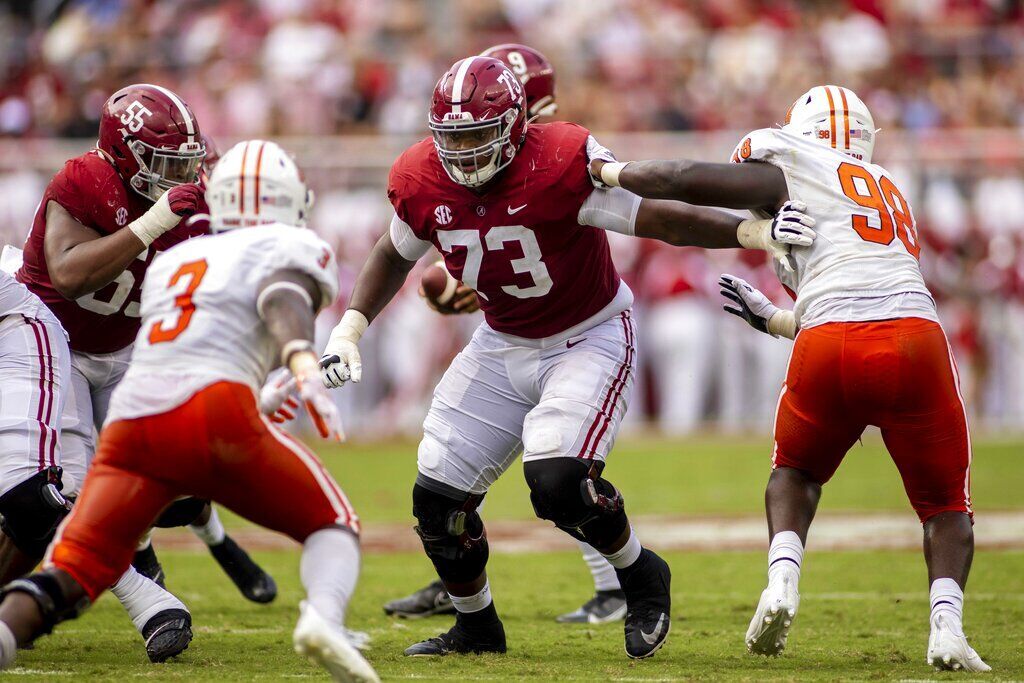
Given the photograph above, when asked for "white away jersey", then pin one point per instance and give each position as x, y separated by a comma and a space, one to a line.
199, 318
867, 247
16, 299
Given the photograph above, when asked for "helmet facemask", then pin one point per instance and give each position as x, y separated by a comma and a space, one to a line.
473, 152
162, 169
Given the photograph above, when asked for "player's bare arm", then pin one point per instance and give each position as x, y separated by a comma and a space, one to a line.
81, 260
685, 225
288, 302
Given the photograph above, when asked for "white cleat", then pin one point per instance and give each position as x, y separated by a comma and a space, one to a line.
948, 649
329, 646
775, 613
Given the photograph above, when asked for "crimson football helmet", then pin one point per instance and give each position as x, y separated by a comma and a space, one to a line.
152, 138
478, 119
534, 71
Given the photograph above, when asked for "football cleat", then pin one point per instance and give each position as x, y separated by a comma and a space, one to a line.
254, 583
459, 640
329, 646
167, 634
147, 564
605, 607
646, 584
775, 612
948, 649
426, 602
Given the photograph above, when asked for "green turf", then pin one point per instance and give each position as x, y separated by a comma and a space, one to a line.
704, 476
863, 616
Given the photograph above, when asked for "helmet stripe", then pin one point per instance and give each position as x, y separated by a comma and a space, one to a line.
460, 77
831, 114
846, 116
259, 163
241, 181
190, 128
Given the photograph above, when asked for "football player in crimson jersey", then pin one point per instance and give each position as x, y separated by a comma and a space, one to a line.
101, 220
871, 350
608, 603
549, 373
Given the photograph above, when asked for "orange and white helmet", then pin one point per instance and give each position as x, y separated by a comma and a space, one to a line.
834, 116
254, 183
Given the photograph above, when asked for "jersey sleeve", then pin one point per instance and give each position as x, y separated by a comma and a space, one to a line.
766, 146
75, 190
305, 252
574, 183
405, 181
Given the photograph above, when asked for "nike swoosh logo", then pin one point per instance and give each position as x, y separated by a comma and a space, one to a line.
570, 344
515, 210
652, 637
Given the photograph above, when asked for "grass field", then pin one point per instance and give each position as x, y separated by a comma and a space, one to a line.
863, 614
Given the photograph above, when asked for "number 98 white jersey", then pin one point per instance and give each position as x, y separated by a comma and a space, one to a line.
864, 263
199, 319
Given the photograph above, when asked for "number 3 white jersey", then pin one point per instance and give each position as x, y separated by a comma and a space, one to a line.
199, 319
864, 263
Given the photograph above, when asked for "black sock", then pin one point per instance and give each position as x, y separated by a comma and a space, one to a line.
488, 616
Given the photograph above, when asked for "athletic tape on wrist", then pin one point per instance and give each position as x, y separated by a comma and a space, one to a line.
155, 222
783, 324
610, 173
750, 233
293, 347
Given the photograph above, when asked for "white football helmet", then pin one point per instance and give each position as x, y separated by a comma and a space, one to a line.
254, 183
836, 117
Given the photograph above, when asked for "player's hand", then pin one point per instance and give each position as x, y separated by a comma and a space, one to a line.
747, 303
277, 400
595, 169
186, 199
340, 361
790, 228
465, 300
321, 408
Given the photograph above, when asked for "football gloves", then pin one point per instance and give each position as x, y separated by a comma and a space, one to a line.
790, 227
747, 303
277, 400
340, 361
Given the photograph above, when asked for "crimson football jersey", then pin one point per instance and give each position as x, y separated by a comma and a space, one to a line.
90, 189
519, 244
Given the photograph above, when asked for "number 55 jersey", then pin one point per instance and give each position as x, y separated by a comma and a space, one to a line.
864, 264
200, 319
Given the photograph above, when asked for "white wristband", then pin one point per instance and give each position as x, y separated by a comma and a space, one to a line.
783, 324
352, 326
155, 222
751, 233
610, 173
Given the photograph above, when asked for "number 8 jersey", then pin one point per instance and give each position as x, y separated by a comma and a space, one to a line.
528, 245
864, 263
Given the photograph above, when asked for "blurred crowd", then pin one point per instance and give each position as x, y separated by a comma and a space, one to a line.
935, 73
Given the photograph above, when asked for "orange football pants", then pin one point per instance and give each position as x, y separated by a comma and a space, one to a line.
898, 375
216, 446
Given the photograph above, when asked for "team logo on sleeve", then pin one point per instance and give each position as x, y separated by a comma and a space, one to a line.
121, 216
443, 214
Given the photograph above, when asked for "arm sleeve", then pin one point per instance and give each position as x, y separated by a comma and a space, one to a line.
303, 251
612, 209
406, 242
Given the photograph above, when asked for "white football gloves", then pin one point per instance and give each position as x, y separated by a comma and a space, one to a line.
754, 307
790, 228
341, 361
277, 400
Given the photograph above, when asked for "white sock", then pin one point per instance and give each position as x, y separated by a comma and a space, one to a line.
142, 598
627, 554
947, 599
329, 570
8, 646
605, 578
786, 554
473, 603
211, 533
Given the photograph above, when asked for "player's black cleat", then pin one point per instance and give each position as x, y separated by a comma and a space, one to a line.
605, 607
167, 634
147, 564
254, 583
459, 640
426, 602
648, 604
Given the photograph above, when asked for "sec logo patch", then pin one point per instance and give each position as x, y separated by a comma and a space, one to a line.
443, 214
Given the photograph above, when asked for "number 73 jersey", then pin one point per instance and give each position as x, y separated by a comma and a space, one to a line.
867, 246
200, 322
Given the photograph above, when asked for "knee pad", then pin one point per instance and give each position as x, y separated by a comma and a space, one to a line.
54, 605
452, 533
32, 510
181, 512
571, 493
